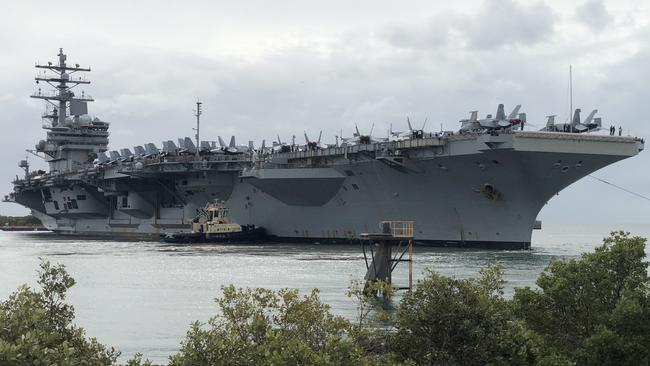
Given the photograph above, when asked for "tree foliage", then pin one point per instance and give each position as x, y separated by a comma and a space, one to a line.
449, 321
593, 310
36, 326
28, 220
263, 327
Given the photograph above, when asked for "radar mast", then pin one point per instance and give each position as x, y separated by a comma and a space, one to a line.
59, 77
74, 139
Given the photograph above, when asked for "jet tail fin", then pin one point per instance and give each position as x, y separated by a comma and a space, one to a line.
550, 122
576, 118
473, 116
501, 114
514, 112
221, 142
590, 117
232, 142
188, 144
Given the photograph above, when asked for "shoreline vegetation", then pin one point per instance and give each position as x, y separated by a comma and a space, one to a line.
594, 310
20, 221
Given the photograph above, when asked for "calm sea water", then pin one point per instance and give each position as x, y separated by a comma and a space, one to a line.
142, 296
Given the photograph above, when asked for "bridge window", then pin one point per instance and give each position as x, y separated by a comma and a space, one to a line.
56, 205
356, 187
81, 197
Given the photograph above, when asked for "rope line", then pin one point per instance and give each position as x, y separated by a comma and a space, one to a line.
621, 188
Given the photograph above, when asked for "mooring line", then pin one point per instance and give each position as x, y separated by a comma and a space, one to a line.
619, 187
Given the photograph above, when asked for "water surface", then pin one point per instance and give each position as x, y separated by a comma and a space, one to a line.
141, 296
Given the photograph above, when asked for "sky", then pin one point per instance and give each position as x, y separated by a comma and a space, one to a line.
264, 69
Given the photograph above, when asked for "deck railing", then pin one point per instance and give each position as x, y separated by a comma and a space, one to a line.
400, 229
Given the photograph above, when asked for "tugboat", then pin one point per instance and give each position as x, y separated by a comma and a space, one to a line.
212, 225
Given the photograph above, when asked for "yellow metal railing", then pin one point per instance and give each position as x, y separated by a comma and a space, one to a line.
401, 229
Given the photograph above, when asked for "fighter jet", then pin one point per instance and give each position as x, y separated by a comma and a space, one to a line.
314, 145
232, 148
359, 138
186, 146
102, 159
471, 123
150, 150
169, 148
500, 120
589, 124
280, 147
411, 133
127, 155
139, 151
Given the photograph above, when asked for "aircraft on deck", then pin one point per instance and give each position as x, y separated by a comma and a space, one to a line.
360, 139
589, 124
280, 147
314, 145
411, 133
232, 148
493, 123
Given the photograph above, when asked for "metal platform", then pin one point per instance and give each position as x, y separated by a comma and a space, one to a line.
387, 249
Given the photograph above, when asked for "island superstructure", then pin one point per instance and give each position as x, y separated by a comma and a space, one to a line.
481, 186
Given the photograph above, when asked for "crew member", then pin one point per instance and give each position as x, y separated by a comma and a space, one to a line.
620, 130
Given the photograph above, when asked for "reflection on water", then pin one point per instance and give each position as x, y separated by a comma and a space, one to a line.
141, 296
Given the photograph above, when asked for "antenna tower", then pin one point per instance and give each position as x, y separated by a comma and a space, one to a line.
197, 113
60, 80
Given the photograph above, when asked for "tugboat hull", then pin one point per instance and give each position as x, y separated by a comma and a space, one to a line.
248, 234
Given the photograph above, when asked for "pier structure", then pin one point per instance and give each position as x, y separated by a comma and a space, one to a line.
383, 251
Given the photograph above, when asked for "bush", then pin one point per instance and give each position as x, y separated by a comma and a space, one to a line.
28, 220
589, 311
262, 327
593, 310
448, 321
36, 326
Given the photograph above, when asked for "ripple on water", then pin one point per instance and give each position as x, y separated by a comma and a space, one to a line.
141, 296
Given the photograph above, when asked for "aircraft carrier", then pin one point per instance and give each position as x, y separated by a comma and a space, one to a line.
480, 186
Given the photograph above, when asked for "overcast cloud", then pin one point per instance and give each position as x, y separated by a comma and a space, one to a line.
268, 68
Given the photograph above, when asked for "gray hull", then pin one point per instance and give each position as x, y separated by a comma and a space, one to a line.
442, 189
